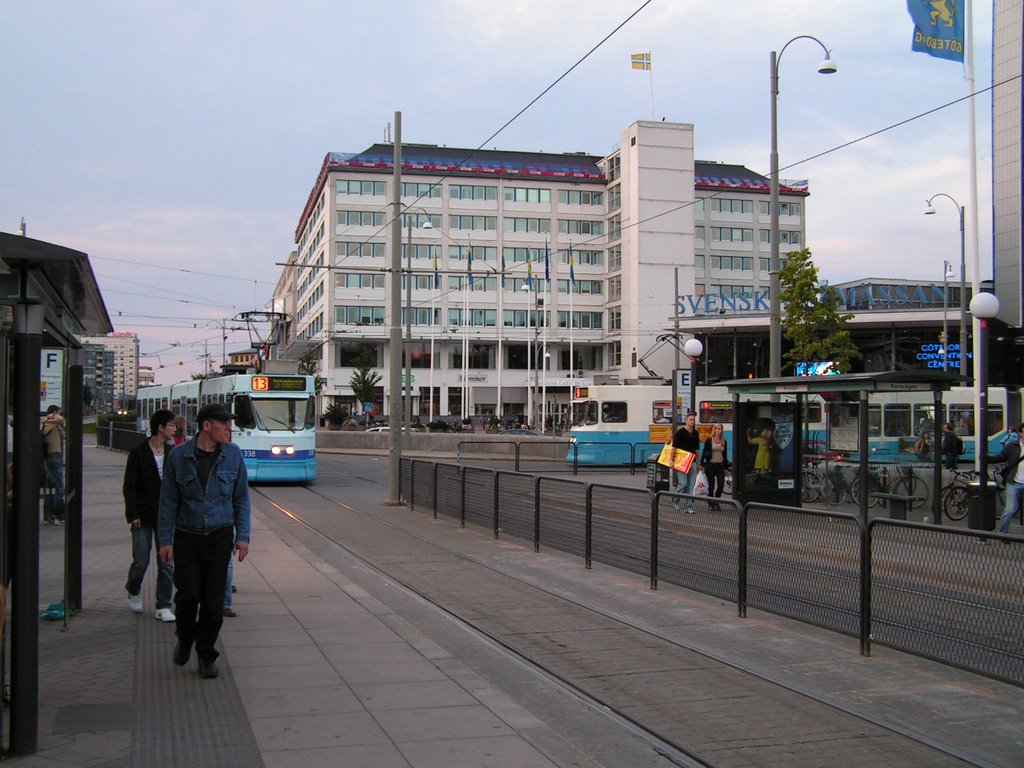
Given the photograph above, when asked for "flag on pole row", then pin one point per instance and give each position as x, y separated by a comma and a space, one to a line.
437, 273
572, 270
547, 266
469, 266
938, 28
641, 60
529, 271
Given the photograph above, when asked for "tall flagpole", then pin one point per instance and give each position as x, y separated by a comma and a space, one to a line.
572, 358
980, 419
499, 323
433, 295
529, 348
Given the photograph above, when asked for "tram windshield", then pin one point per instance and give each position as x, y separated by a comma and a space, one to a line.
584, 413
272, 413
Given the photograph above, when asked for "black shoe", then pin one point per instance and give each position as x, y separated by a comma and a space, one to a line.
182, 652
234, 588
208, 669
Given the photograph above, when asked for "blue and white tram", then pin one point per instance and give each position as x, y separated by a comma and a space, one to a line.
611, 424
275, 419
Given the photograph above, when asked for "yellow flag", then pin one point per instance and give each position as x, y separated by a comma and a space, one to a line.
641, 60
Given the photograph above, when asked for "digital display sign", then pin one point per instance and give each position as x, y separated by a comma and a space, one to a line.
278, 384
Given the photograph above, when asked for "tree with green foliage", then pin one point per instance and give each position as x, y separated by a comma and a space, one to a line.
309, 365
364, 379
811, 319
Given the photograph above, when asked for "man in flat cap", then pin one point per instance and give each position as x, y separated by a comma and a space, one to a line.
204, 515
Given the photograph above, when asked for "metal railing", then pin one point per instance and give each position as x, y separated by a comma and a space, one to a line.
947, 594
118, 436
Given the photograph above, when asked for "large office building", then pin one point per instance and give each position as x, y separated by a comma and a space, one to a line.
125, 380
530, 273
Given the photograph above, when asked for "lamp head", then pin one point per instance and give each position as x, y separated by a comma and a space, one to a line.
426, 225
984, 306
693, 348
827, 67
929, 208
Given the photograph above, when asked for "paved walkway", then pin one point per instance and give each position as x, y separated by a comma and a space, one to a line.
327, 665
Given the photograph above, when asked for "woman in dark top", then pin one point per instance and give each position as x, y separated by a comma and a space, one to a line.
714, 459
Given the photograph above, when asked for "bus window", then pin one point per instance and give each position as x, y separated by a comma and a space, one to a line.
244, 416
661, 412
962, 418
923, 421
584, 414
715, 412
874, 420
614, 412
994, 421
897, 420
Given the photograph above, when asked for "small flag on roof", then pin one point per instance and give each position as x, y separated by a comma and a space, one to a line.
640, 60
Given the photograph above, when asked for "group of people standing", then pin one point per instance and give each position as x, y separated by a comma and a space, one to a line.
713, 458
191, 497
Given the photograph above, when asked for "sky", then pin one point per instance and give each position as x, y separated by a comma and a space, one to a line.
176, 143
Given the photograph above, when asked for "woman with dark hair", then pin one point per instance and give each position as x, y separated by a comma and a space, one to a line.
715, 460
143, 474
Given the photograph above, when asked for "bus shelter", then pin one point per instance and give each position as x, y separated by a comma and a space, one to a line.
48, 297
768, 417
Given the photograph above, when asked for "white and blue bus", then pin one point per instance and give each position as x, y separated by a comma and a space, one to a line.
618, 423
275, 419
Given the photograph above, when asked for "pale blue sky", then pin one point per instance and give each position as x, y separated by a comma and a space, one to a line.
170, 139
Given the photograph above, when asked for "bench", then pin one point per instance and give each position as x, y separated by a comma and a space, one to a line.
898, 503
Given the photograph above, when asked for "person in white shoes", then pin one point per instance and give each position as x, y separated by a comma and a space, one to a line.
143, 474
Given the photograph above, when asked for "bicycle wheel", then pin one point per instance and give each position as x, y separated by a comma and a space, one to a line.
954, 501
810, 489
855, 491
912, 485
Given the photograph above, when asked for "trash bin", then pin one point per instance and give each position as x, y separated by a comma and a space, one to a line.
659, 477
975, 519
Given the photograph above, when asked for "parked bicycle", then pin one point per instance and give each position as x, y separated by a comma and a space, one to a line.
955, 492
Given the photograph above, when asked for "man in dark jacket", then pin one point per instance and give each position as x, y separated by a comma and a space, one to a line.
950, 447
143, 474
688, 439
204, 515
1013, 479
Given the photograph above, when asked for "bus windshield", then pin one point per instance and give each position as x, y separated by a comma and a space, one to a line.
284, 413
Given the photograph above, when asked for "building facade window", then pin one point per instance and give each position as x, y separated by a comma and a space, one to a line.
525, 224
615, 319
734, 263
421, 251
614, 259
421, 190
359, 315
583, 320
527, 195
614, 168
480, 252
579, 197
580, 227
731, 205
360, 218
472, 192
420, 219
615, 289
355, 187
473, 223
348, 354
786, 236
356, 280
731, 235
785, 209
360, 250
582, 287
614, 198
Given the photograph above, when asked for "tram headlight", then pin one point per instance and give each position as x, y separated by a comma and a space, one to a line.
276, 450
290, 450
287, 450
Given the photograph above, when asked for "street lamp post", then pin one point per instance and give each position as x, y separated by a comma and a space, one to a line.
947, 272
693, 348
407, 389
826, 67
962, 359
984, 306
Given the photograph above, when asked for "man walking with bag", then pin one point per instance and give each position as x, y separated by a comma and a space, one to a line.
687, 439
204, 515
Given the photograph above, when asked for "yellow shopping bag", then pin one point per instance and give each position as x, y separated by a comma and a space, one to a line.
676, 458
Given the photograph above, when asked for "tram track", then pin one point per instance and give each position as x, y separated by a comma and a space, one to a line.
686, 702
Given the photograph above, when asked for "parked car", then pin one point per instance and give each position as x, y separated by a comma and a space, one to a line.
379, 429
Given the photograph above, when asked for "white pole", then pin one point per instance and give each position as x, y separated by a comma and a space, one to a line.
572, 323
544, 362
433, 295
500, 362
529, 360
465, 350
980, 418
